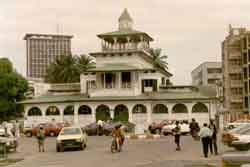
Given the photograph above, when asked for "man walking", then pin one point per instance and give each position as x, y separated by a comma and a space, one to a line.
177, 135
40, 138
99, 127
205, 134
194, 129
213, 139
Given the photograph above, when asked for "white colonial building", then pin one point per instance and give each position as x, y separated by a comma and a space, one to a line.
125, 85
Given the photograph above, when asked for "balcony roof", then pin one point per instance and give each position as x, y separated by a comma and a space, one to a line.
110, 67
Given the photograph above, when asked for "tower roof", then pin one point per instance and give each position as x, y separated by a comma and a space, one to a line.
125, 15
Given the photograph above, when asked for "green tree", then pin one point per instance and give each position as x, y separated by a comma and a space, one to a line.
67, 69
159, 60
13, 87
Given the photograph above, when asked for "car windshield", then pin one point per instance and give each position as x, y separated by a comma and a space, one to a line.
70, 131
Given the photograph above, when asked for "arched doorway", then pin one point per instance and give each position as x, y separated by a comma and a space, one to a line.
68, 114
180, 108
85, 115
140, 118
52, 114
102, 113
160, 113
199, 108
34, 111
121, 113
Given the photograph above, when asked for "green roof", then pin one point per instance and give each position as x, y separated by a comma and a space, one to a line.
124, 33
155, 96
116, 67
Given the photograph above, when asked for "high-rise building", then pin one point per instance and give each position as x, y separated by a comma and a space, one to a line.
236, 71
43, 49
206, 74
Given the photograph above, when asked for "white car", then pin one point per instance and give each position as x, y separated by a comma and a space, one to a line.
236, 124
71, 137
168, 129
239, 138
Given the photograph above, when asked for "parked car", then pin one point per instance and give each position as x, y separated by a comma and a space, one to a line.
91, 129
71, 137
51, 129
232, 125
168, 129
239, 138
156, 128
11, 142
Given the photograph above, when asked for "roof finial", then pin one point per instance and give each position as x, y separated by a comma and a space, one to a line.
125, 21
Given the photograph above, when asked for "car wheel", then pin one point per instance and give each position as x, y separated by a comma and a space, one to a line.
52, 134
83, 146
61, 149
57, 149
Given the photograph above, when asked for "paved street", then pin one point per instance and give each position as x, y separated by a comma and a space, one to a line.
136, 153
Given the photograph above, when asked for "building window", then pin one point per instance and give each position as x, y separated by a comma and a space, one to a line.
245, 72
246, 102
163, 81
91, 84
126, 79
148, 83
245, 58
245, 87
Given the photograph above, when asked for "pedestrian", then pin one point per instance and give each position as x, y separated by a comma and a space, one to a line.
40, 138
213, 139
99, 127
194, 129
177, 135
205, 134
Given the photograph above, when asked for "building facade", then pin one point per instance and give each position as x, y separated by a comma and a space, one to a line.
125, 85
236, 72
207, 74
43, 49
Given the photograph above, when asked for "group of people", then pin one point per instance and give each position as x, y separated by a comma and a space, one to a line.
207, 134
12, 128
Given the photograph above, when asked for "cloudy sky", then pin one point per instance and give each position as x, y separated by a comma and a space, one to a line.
188, 31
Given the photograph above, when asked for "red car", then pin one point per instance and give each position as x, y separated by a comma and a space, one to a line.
155, 128
51, 129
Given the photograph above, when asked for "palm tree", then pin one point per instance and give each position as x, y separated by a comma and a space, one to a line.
68, 68
85, 62
158, 59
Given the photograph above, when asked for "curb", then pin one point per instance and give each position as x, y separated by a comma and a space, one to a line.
143, 136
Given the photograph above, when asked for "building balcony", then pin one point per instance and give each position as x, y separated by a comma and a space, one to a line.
235, 70
111, 91
236, 99
234, 56
236, 83
126, 46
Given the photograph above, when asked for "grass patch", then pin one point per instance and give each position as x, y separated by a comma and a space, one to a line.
9, 161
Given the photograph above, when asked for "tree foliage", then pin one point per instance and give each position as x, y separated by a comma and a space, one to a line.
159, 60
12, 89
67, 68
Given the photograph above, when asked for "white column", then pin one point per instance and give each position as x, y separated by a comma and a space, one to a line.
112, 113
76, 107
190, 106
130, 113
93, 113
149, 113
119, 79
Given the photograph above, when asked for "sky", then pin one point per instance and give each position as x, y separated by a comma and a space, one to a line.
188, 31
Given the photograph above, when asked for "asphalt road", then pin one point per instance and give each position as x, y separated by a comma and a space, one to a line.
136, 153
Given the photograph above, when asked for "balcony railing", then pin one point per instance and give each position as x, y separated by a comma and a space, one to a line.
235, 69
236, 83
236, 98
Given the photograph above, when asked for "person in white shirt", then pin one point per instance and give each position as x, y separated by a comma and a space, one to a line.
99, 127
205, 135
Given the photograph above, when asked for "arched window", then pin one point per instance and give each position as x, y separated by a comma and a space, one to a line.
102, 113
199, 108
160, 109
121, 113
52, 110
84, 110
139, 109
34, 111
180, 108
69, 110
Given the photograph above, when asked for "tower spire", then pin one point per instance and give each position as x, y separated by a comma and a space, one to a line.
125, 21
